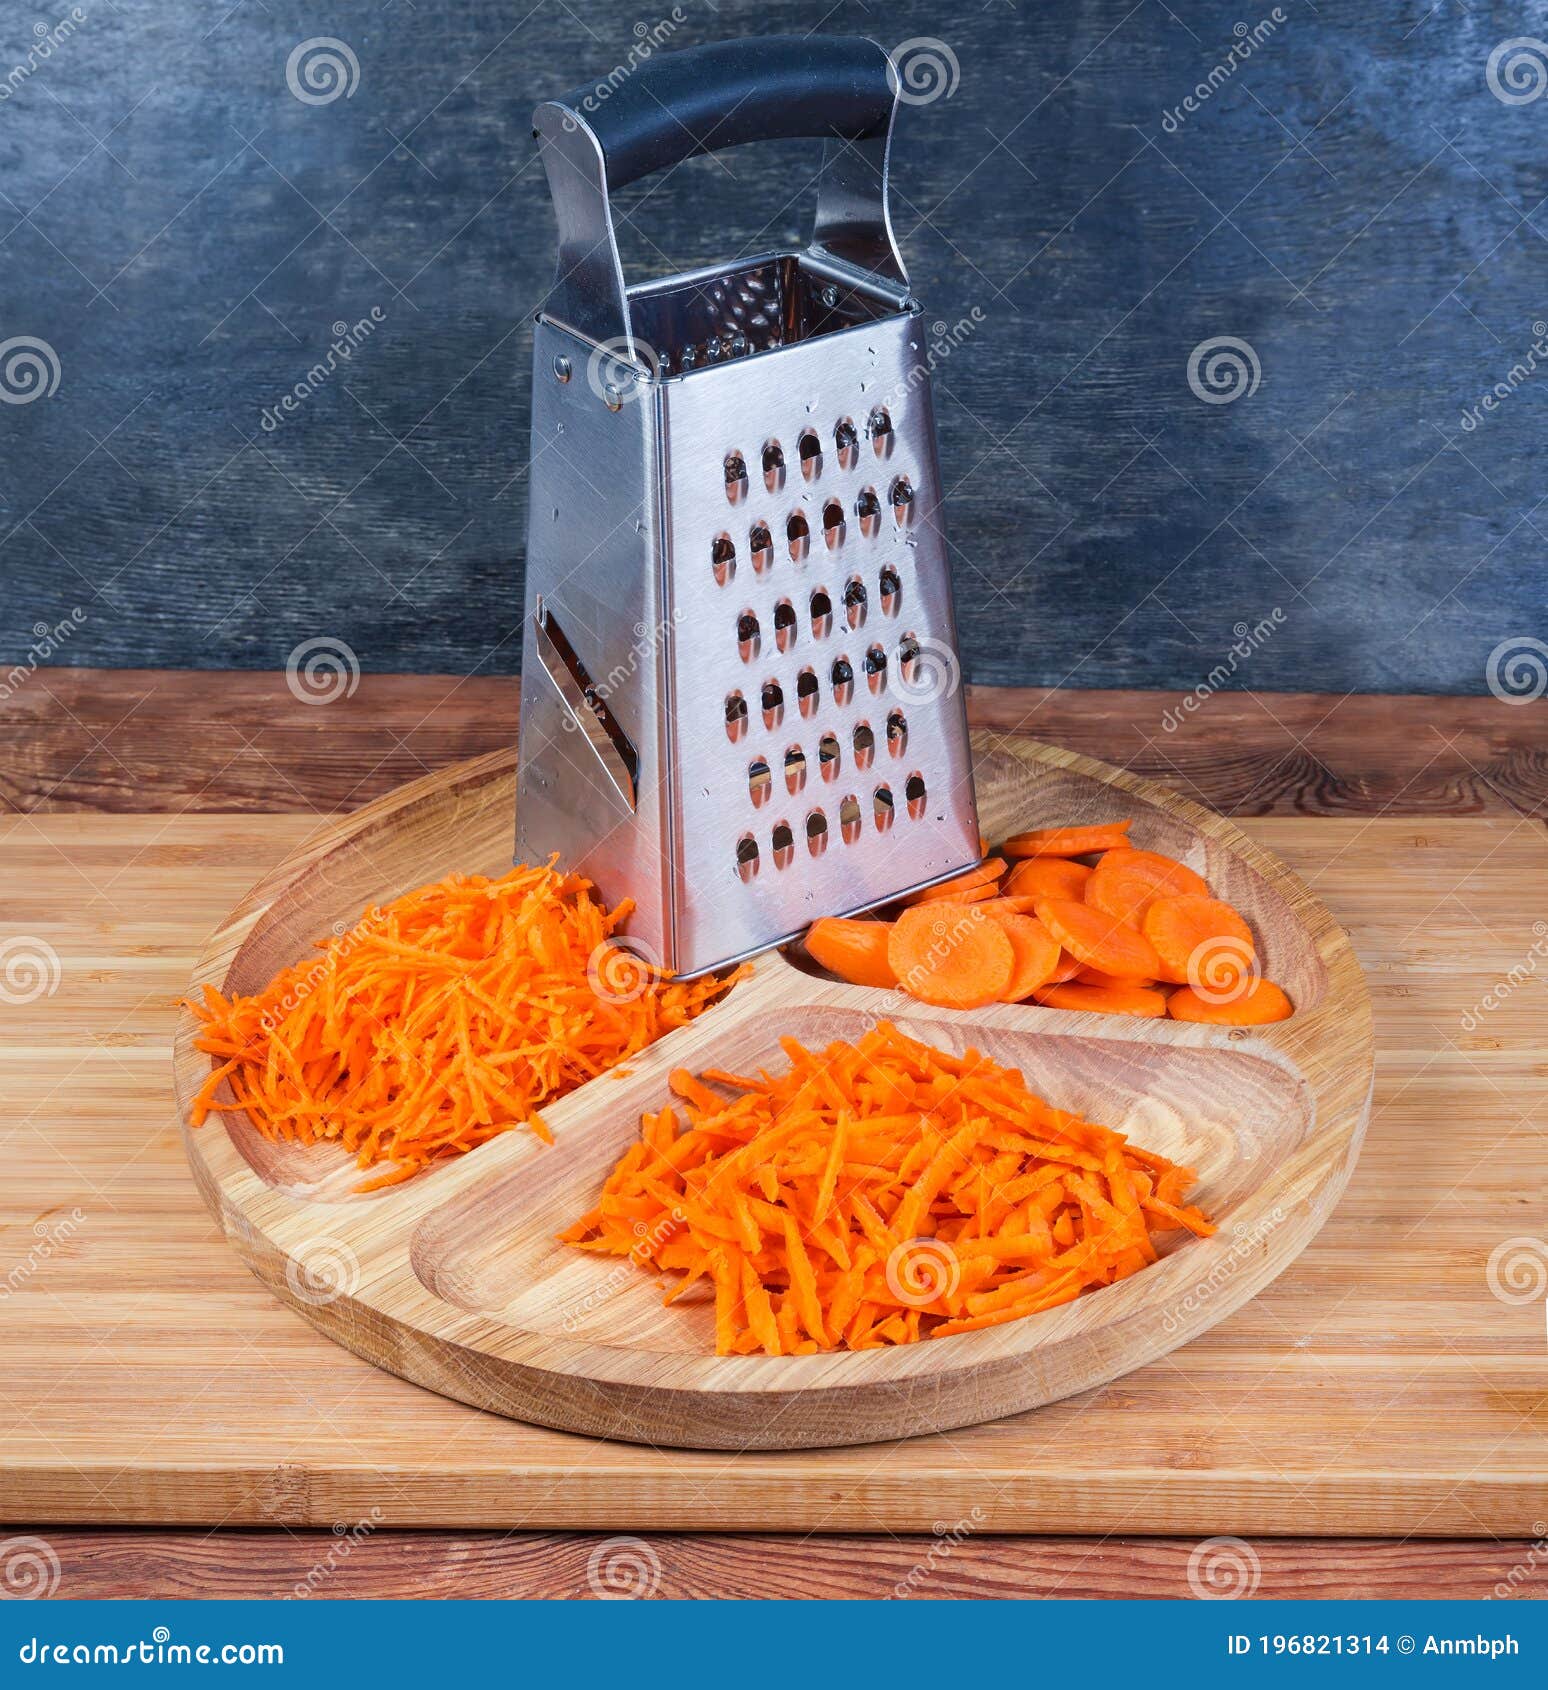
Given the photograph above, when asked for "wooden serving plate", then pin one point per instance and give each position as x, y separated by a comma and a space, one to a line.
454, 1278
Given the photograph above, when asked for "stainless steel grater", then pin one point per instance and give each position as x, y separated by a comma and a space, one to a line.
741, 703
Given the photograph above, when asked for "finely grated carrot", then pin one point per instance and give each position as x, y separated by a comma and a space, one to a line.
441, 1019
878, 1193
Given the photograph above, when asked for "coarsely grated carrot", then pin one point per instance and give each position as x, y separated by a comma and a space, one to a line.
878, 1193
441, 1019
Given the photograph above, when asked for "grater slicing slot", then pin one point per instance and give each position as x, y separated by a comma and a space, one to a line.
587, 706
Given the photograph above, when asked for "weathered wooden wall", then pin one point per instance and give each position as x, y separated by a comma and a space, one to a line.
1354, 202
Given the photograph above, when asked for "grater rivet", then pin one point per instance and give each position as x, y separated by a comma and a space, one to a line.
830, 296
612, 396
563, 369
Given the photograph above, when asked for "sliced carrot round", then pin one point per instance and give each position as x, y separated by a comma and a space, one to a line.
856, 951
1126, 883
981, 875
1067, 841
1011, 906
1097, 940
1201, 934
952, 955
1069, 967
1036, 951
1260, 1003
1046, 877
1104, 1000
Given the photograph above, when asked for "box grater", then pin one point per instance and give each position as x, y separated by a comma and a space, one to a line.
741, 701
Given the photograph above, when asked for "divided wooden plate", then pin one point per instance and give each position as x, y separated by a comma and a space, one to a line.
454, 1279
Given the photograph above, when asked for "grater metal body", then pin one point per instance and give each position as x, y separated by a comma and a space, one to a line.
741, 700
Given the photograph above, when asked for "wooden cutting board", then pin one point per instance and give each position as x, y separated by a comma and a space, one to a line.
1379, 1386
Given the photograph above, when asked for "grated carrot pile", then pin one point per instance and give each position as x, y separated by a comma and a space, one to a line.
441, 1019
878, 1193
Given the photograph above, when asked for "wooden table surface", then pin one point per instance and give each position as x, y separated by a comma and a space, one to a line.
146, 741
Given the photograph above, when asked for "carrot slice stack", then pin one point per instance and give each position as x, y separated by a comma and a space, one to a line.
879, 1193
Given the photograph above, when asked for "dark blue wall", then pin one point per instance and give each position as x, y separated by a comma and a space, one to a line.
1354, 202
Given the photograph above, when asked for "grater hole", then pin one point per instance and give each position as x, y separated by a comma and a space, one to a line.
842, 676
784, 625
822, 614
816, 833
833, 523
846, 443
806, 692
865, 744
914, 795
746, 856
784, 844
828, 756
760, 781
881, 808
897, 732
891, 591
902, 497
773, 466
795, 769
879, 427
798, 534
849, 819
722, 559
810, 448
736, 716
868, 510
773, 704
748, 636
908, 656
876, 669
761, 544
854, 602
736, 477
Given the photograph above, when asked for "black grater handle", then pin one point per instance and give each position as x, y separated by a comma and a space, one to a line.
757, 88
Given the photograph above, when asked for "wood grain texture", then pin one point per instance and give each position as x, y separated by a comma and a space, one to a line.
1348, 202
456, 1281
1378, 1387
139, 740
529, 1565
